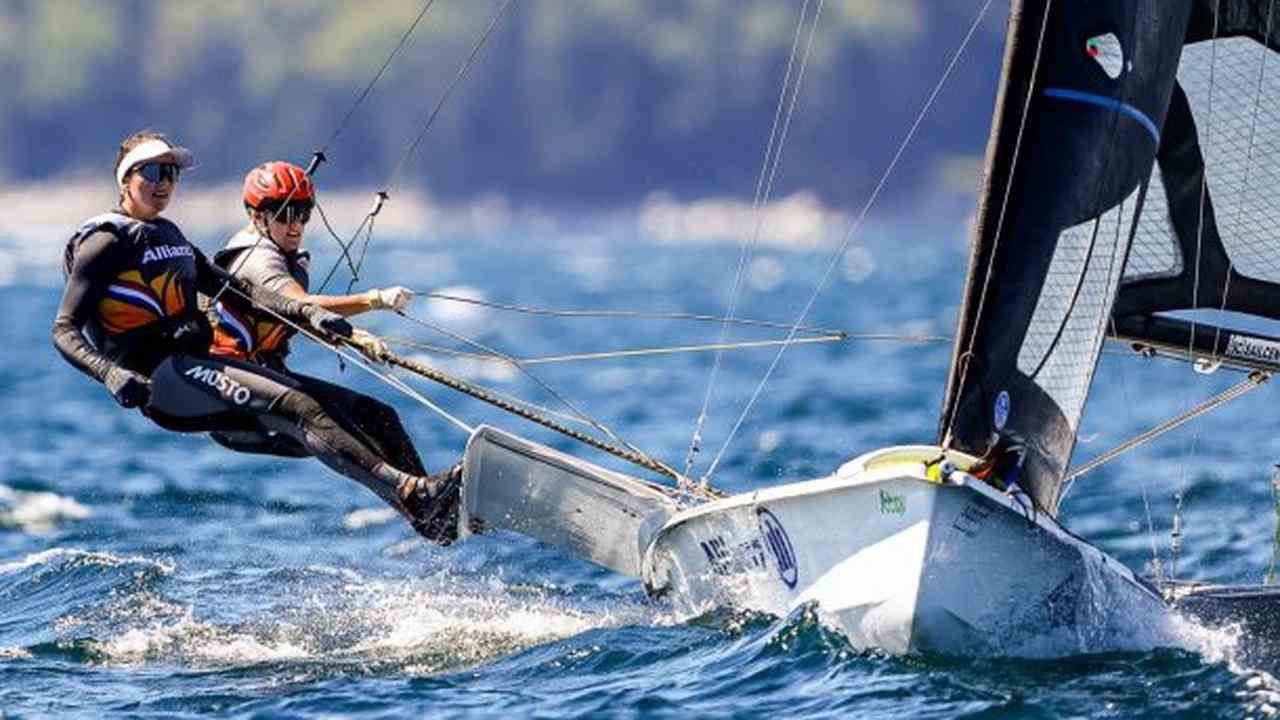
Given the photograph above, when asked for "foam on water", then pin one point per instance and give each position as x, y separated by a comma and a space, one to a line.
192, 642
426, 626
368, 517
37, 512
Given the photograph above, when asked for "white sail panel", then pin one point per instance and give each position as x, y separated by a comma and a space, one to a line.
1232, 84
1069, 322
1154, 253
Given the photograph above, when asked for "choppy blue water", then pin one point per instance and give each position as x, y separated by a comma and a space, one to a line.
151, 574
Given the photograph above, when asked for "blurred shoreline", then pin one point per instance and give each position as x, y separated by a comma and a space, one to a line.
41, 216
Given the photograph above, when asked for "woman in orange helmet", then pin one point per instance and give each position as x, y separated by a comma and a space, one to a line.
279, 198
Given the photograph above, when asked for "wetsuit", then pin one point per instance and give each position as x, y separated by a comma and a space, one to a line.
243, 332
129, 307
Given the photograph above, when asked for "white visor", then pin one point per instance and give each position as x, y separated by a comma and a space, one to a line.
153, 150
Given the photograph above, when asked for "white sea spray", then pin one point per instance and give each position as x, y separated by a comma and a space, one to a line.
37, 511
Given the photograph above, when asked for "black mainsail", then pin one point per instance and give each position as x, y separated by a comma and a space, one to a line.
1078, 122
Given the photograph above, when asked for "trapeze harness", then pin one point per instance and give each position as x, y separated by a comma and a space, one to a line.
242, 332
130, 302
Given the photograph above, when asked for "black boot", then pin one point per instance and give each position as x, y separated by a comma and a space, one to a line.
431, 503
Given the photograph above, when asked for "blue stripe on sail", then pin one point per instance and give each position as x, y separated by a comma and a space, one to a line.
1106, 102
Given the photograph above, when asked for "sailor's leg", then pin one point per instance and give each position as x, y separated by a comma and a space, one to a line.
302, 417
429, 503
203, 394
261, 443
374, 421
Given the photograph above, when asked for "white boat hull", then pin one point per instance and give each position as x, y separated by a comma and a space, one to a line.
896, 561
888, 557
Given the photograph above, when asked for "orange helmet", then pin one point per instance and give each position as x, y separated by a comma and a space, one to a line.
272, 184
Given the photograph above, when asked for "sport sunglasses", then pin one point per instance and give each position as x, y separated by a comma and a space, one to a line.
291, 213
155, 172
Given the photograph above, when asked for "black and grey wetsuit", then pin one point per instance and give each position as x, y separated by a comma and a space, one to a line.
244, 332
131, 302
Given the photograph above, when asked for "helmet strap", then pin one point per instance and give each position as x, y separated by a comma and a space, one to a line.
260, 221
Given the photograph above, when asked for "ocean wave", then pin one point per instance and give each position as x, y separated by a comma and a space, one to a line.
68, 558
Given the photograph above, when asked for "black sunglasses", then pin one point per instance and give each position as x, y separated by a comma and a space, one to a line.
155, 172
294, 212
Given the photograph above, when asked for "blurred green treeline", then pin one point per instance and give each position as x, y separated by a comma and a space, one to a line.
572, 101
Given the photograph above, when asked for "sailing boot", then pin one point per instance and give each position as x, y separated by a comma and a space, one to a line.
431, 503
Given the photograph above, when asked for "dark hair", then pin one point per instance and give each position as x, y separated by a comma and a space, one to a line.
134, 141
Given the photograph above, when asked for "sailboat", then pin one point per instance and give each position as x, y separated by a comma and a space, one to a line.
1130, 194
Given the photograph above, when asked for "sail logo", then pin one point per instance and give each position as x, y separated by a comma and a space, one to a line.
1252, 348
1001, 410
229, 388
775, 538
166, 252
1107, 52
892, 504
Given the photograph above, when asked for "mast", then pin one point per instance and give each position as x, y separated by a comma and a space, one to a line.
1077, 125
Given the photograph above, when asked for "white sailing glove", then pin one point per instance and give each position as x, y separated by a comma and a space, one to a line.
393, 298
370, 345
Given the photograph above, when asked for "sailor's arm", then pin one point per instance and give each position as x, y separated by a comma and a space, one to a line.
392, 298
211, 279
86, 283
90, 273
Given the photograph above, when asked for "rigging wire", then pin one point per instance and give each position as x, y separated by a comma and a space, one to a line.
853, 228
366, 225
520, 408
764, 189
360, 362
457, 80
374, 81
1204, 178
1175, 533
1142, 481
1255, 380
346, 249
629, 314
319, 157
613, 354
1004, 207
1248, 164
582, 415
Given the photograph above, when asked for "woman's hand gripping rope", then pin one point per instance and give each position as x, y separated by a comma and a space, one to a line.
370, 345
336, 328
